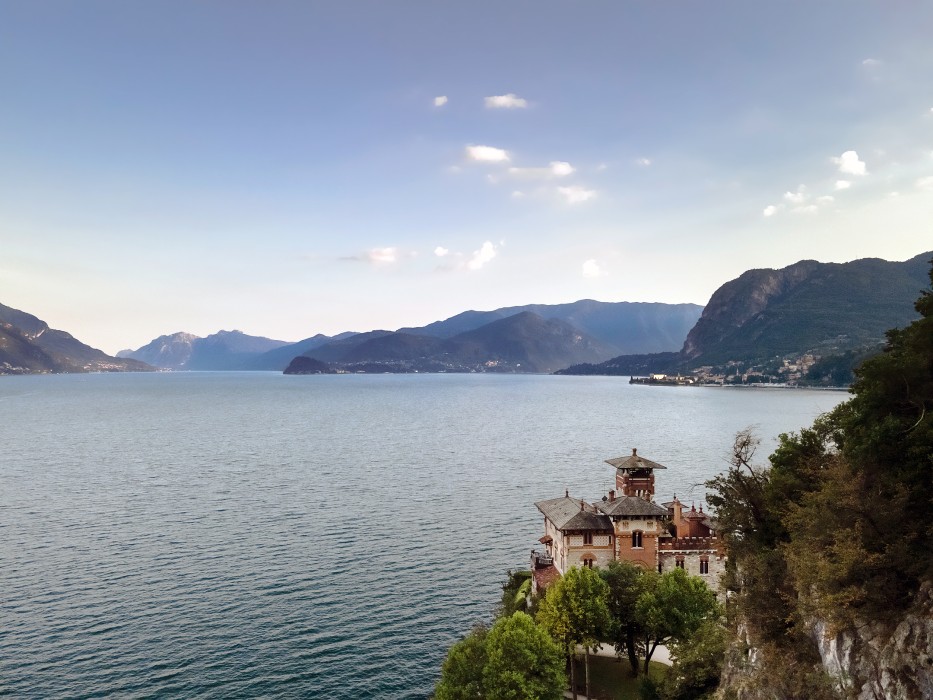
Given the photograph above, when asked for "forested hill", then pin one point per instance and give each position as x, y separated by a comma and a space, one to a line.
808, 307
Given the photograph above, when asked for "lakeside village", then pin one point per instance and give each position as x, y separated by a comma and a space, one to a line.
627, 525
786, 372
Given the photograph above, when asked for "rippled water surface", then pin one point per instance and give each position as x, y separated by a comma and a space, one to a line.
244, 535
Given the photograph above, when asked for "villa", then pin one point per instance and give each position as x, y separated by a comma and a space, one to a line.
627, 525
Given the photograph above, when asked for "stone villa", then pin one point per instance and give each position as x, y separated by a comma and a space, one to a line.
627, 525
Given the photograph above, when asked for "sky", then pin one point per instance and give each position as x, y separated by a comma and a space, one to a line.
287, 168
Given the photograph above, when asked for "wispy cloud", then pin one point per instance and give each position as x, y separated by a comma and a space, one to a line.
440, 100
925, 183
576, 194
591, 269
850, 164
509, 101
377, 256
487, 154
441, 251
382, 255
556, 168
842, 185
482, 256
769, 211
643, 162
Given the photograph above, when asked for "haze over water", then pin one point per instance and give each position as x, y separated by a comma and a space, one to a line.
251, 534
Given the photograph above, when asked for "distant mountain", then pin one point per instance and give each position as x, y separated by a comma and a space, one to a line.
225, 350
524, 342
167, 351
623, 327
277, 359
28, 345
825, 309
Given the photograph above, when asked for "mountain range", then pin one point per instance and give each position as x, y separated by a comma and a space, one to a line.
523, 342
603, 329
822, 309
832, 314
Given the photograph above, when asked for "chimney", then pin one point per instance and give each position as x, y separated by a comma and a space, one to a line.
678, 518
634, 452
612, 495
581, 506
566, 493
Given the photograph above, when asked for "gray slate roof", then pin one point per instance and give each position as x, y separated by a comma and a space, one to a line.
634, 462
631, 506
566, 514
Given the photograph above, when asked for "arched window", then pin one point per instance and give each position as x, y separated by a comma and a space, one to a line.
704, 565
636, 539
679, 562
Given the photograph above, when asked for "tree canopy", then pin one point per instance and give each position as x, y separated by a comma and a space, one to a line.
515, 660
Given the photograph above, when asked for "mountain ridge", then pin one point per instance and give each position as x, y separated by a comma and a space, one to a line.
28, 346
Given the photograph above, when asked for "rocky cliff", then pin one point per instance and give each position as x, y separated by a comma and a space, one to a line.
890, 659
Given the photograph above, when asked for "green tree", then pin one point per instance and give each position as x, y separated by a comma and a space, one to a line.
626, 583
574, 612
673, 610
462, 672
697, 663
522, 662
515, 660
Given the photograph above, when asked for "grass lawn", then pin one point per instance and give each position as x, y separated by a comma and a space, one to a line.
612, 679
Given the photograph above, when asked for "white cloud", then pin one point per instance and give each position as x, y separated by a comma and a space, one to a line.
850, 164
842, 185
510, 101
825, 199
561, 168
517, 194
808, 209
441, 251
575, 194
798, 197
871, 63
382, 255
487, 154
601, 167
769, 210
556, 168
591, 269
925, 183
440, 100
644, 162
482, 256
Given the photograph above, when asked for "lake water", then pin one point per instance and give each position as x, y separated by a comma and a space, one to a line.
243, 535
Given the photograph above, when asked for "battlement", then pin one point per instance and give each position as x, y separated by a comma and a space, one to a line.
673, 544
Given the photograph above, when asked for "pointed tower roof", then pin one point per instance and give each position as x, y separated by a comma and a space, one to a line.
633, 461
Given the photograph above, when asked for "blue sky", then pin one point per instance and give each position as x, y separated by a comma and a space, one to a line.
289, 168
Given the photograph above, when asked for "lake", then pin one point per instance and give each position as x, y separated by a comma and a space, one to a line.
242, 535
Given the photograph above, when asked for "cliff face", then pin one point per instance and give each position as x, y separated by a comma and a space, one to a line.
877, 660
883, 659
739, 301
